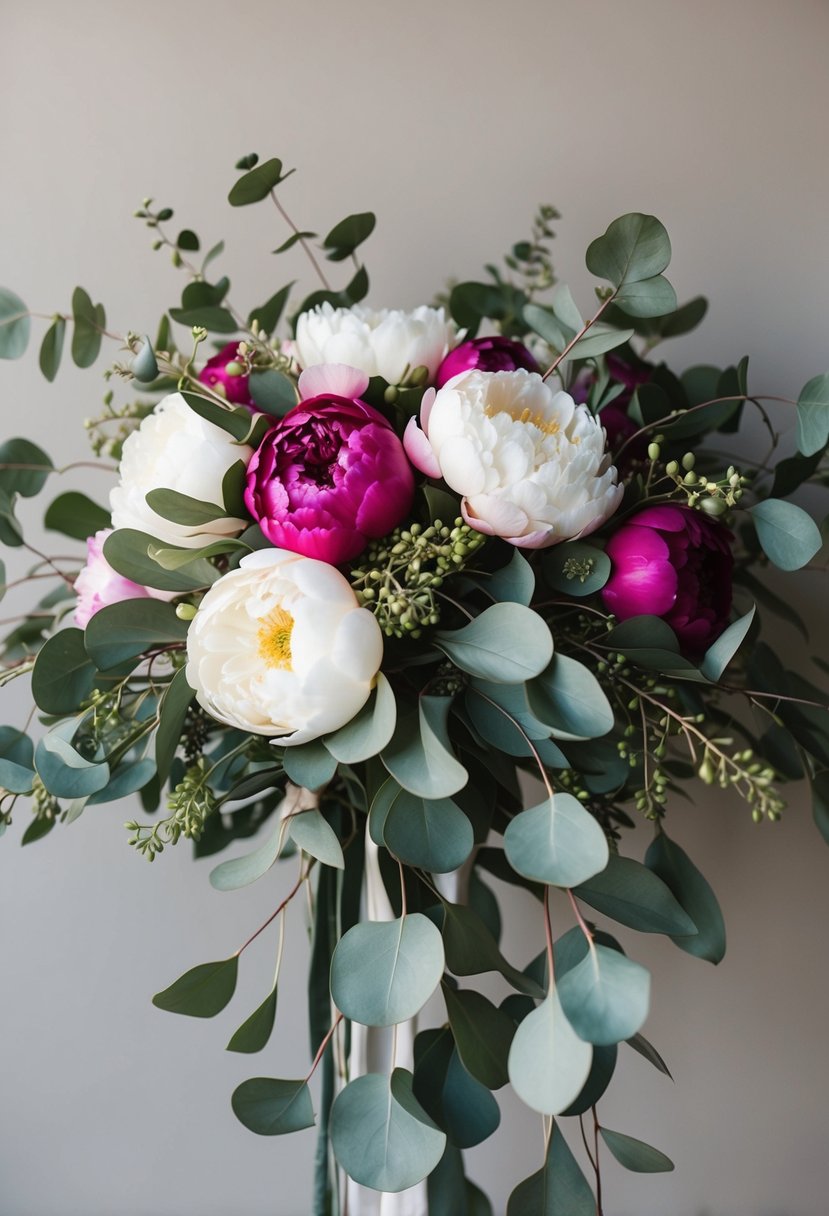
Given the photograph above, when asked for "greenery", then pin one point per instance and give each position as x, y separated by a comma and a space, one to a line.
499, 662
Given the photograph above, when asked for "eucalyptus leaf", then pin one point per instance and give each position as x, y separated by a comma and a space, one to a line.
646, 298
507, 644
175, 702
557, 842
381, 1135
126, 630
605, 997
312, 833
88, 323
812, 415
548, 1062
634, 248
558, 1189
24, 468
182, 509
368, 733
720, 653
344, 237
63, 674
600, 339
63, 771
128, 552
241, 871
788, 535
201, 992
693, 892
576, 568
471, 948
470, 1112
273, 1107
635, 1154
383, 972
514, 582
272, 392
257, 184
483, 1034
255, 1031
569, 699
75, 515
15, 325
309, 764
431, 834
631, 894
51, 348
419, 755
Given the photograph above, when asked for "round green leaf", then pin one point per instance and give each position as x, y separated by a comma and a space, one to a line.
635, 1154
63, 674
606, 996
813, 416
569, 699
88, 325
548, 1062
24, 468
124, 631
201, 992
576, 568
370, 731
241, 871
312, 833
483, 1034
383, 972
557, 842
309, 764
63, 771
420, 755
75, 515
381, 1135
634, 247
507, 644
432, 834
256, 184
15, 325
789, 537
272, 1107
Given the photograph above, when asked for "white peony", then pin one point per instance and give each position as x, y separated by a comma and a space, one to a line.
380, 342
175, 449
529, 462
280, 647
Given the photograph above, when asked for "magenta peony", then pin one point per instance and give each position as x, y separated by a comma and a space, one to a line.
328, 477
98, 585
494, 354
223, 373
673, 562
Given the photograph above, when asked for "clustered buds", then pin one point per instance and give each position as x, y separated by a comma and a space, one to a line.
401, 574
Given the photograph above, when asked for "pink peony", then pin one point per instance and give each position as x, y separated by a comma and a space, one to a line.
493, 354
332, 474
98, 585
673, 562
230, 384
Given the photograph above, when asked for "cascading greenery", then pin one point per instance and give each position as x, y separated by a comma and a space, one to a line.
498, 662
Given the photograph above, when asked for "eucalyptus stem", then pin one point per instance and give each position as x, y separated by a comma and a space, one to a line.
306, 248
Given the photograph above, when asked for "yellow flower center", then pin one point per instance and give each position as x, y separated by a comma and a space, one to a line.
274, 638
548, 426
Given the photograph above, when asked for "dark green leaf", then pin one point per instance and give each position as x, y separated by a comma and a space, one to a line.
201, 992
257, 183
255, 1031
357, 287
483, 1034
599, 1077
790, 474
470, 1112
175, 703
124, 631
558, 1189
272, 392
75, 515
293, 239
271, 1107
720, 653
433, 835
182, 509
15, 325
268, 314
635, 1154
237, 422
212, 318
472, 950
344, 237
648, 1052
188, 241
33, 468
647, 298
37, 829
127, 551
63, 674
86, 332
634, 248
694, 894
51, 348
628, 892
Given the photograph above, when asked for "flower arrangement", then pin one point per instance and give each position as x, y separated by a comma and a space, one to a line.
366, 579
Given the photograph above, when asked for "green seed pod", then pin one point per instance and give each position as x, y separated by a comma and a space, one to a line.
713, 506
688, 461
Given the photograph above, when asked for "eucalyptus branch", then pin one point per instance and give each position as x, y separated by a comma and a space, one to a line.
309, 253
587, 325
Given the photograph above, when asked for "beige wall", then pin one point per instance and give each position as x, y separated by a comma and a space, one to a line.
452, 121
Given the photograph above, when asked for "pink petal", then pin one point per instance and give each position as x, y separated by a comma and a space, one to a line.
332, 378
419, 449
426, 403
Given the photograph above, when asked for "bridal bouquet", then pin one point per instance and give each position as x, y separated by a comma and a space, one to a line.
419, 600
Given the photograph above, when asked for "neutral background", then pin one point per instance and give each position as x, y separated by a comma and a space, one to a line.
452, 121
